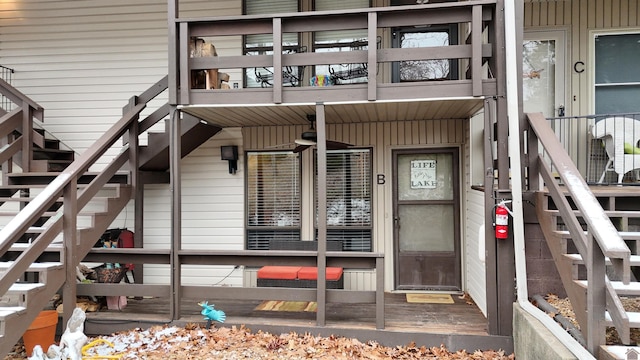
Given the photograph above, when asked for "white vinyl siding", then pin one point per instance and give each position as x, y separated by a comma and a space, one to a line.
212, 213
82, 60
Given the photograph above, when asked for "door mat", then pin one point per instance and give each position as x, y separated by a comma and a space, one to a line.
292, 306
430, 298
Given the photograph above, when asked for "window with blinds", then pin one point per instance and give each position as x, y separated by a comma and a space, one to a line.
262, 44
273, 198
344, 40
348, 198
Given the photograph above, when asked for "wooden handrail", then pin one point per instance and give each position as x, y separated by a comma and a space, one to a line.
600, 240
16, 96
52, 192
604, 232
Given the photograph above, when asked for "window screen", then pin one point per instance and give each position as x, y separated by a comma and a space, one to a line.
348, 198
273, 198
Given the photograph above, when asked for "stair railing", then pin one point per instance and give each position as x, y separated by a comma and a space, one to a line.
76, 244
600, 240
18, 120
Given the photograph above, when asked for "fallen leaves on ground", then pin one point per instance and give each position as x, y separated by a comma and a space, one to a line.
194, 342
632, 304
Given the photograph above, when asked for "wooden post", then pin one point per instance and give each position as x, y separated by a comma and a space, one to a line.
321, 142
70, 236
176, 211
596, 296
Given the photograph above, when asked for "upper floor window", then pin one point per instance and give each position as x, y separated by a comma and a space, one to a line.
339, 41
262, 44
420, 70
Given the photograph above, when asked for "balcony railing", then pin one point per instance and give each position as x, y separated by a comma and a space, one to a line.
604, 147
475, 64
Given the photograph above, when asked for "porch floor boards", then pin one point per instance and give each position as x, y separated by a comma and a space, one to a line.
459, 325
459, 317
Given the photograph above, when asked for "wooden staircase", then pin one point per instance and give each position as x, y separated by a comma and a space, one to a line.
55, 200
622, 206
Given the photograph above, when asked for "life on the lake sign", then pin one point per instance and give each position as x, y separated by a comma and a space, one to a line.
423, 174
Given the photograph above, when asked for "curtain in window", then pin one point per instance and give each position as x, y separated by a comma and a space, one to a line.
273, 198
348, 198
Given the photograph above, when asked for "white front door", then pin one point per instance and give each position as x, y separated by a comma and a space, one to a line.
543, 81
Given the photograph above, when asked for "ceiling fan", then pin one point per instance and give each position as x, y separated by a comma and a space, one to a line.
308, 138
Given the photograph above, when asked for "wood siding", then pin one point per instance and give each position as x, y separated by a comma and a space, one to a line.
579, 18
83, 60
382, 137
473, 215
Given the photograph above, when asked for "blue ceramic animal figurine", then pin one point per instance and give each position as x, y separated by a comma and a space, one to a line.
211, 314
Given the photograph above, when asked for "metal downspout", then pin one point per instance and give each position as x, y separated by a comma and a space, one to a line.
511, 49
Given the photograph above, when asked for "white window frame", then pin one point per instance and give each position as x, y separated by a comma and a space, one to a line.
592, 60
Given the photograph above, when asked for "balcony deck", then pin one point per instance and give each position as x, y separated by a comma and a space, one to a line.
460, 325
376, 96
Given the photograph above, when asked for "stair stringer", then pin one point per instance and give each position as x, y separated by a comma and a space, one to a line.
155, 156
17, 325
567, 270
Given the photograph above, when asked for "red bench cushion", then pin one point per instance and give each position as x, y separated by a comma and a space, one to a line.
311, 273
279, 272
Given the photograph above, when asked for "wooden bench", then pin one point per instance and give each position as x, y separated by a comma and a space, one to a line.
298, 276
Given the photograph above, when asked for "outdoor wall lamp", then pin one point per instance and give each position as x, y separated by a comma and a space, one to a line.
230, 153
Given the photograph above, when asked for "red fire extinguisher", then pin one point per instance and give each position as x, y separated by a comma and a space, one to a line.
502, 221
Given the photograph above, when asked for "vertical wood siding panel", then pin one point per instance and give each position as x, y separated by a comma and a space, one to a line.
607, 10
624, 13
615, 13
633, 13
544, 14
550, 13
527, 15
559, 13
535, 14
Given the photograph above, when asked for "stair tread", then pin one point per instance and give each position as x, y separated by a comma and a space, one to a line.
634, 318
25, 246
24, 287
627, 235
634, 259
608, 212
38, 266
633, 288
6, 311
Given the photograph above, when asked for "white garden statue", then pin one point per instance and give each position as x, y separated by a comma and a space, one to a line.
71, 342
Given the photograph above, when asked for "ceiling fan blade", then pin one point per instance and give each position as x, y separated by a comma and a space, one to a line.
306, 142
337, 145
300, 148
